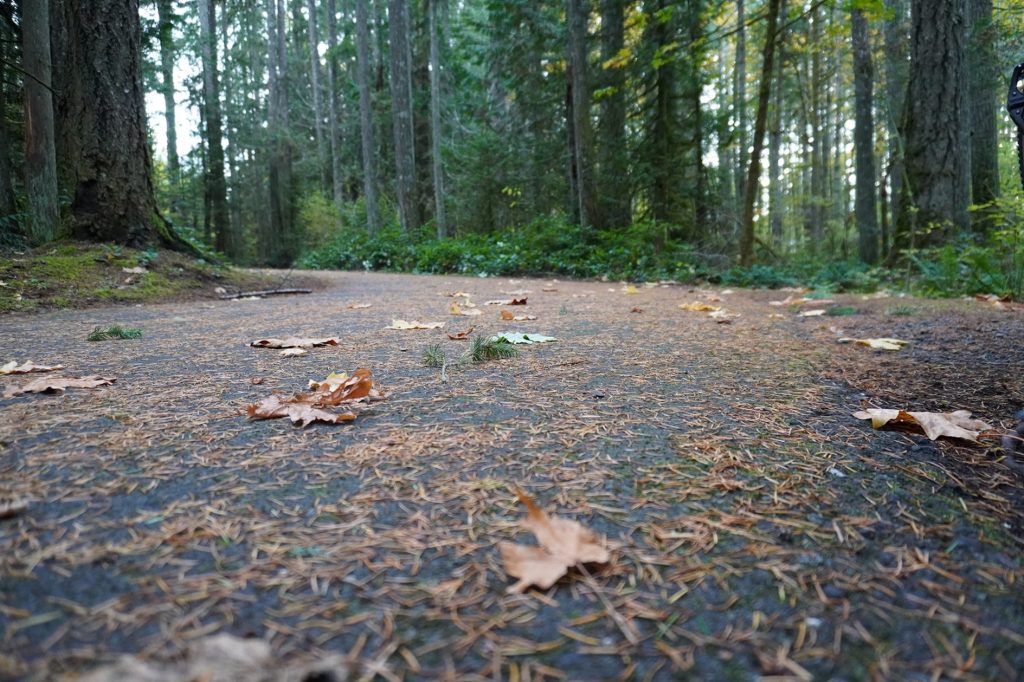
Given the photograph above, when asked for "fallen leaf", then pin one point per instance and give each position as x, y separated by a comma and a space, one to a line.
517, 337
698, 307
549, 289
306, 408
457, 294
630, 290
878, 344
461, 336
636, 310
358, 306
415, 324
13, 367
509, 301
509, 316
958, 424
255, 381
293, 342
13, 507
812, 313
58, 384
723, 316
139, 270
293, 352
455, 309
563, 544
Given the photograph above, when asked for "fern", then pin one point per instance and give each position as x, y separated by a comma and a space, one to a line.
114, 332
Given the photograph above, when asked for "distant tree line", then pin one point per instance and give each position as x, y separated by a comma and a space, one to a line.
751, 128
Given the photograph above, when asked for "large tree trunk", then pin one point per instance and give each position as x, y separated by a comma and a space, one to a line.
216, 186
440, 217
101, 124
366, 135
896, 76
165, 15
278, 244
6, 179
663, 147
401, 114
579, 100
318, 107
334, 121
614, 200
739, 103
753, 183
984, 92
864, 139
40, 152
935, 127
775, 203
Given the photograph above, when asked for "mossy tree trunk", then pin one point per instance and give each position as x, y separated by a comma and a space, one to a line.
40, 153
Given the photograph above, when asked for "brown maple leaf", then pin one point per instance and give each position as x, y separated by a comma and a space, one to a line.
293, 342
461, 336
58, 384
563, 544
509, 316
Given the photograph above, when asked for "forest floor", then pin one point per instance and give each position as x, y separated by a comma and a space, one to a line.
756, 527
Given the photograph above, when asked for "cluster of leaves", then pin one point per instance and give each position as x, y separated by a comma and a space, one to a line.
114, 331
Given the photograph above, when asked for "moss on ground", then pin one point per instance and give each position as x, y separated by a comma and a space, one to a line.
75, 275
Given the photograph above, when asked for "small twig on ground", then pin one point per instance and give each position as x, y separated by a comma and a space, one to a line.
266, 292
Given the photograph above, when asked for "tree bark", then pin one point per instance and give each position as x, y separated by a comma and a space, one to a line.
938, 165
739, 102
334, 121
614, 201
401, 114
165, 14
318, 107
984, 91
897, 58
440, 217
579, 87
753, 183
102, 149
279, 244
40, 152
864, 139
6, 179
366, 133
216, 186
775, 202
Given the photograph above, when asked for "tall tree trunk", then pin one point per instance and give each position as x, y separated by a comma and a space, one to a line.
40, 152
864, 139
577, 13
983, 92
366, 135
440, 217
775, 203
614, 208
278, 244
663, 148
401, 113
6, 179
165, 14
318, 107
216, 185
897, 59
938, 167
816, 201
334, 122
102, 149
739, 103
760, 123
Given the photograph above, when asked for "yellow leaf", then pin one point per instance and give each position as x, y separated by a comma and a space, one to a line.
414, 324
698, 307
958, 424
878, 344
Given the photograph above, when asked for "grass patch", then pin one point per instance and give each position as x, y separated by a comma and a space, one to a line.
486, 348
115, 331
842, 311
901, 310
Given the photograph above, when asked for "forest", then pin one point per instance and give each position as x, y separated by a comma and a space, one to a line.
612, 138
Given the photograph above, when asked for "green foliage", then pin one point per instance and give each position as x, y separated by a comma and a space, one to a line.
433, 356
901, 310
485, 348
115, 331
318, 218
544, 247
842, 311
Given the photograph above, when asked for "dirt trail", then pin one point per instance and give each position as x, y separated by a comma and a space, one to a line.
758, 528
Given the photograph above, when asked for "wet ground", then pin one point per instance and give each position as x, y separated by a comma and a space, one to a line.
757, 527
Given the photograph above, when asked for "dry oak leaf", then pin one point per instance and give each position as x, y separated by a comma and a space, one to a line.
13, 367
563, 544
509, 316
934, 424
293, 352
358, 306
414, 324
877, 344
461, 336
306, 408
507, 301
698, 307
58, 384
455, 309
294, 342
812, 313
457, 294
